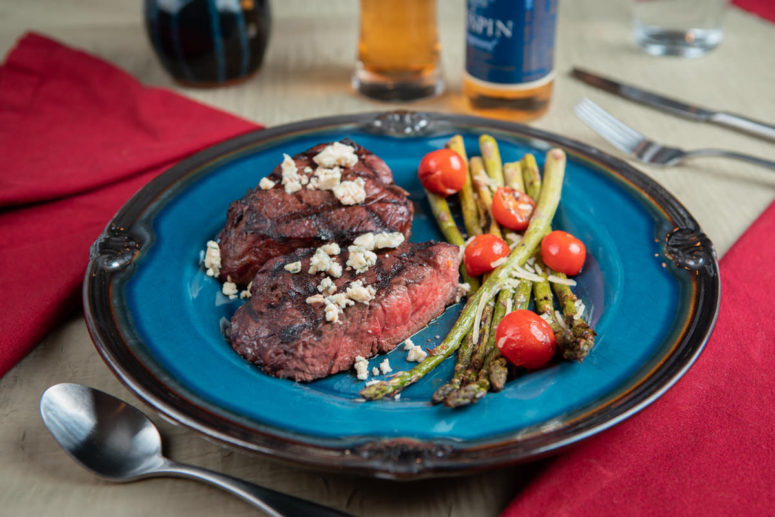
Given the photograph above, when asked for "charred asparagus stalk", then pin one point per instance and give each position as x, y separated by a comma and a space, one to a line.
483, 351
468, 207
512, 174
575, 338
582, 337
468, 356
544, 305
484, 195
498, 368
491, 156
531, 176
463, 360
541, 220
471, 393
446, 222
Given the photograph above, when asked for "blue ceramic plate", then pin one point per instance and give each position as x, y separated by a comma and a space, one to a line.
650, 286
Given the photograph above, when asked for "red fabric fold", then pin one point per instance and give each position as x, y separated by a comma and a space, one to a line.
707, 447
763, 8
78, 137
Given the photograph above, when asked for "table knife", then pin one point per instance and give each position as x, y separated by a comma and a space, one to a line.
676, 107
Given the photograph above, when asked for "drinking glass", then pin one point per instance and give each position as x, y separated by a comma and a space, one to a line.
687, 28
398, 50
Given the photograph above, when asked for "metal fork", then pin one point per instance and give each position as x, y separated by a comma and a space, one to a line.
642, 148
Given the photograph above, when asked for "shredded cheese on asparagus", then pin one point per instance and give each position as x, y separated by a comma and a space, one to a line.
564, 281
520, 272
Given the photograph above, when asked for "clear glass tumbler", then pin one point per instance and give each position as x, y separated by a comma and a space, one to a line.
398, 50
686, 28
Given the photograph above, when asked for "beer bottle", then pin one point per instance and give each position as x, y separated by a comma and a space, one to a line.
509, 70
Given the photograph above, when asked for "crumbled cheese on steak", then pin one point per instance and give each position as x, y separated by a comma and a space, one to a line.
371, 241
247, 293
213, 259
365, 241
388, 239
340, 300
336, 154
350, 192
327, 286
315, 298
332, 311
360, 259
331, 249
293, 267
292, 181
322, 262
361, 366
230, 289
325, 179
266, 184
360, 293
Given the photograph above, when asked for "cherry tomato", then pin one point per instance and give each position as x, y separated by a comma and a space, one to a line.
482, 251
512, 208
525, 339
563, 252
443, 172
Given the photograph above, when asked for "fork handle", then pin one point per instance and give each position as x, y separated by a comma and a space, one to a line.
732, 154
745, 124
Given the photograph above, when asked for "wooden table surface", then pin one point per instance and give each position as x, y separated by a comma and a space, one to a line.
307, 74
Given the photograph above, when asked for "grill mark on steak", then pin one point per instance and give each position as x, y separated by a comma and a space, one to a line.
268, 223
279, 332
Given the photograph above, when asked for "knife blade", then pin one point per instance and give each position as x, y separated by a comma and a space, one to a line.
676, 107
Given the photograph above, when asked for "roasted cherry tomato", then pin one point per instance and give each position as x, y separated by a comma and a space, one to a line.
525, 339
482, 251
512, 208
563, 252
443, 172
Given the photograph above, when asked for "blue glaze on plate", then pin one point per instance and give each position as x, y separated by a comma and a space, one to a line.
637, 299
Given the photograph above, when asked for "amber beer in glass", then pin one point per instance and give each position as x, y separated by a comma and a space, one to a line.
398, 50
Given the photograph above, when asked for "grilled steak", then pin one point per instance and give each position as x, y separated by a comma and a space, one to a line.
279, 331
268, 223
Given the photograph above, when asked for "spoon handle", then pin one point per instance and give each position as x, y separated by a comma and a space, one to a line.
274, 504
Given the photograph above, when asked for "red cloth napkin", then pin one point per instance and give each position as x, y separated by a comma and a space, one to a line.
764, 8
78, 137
707, 447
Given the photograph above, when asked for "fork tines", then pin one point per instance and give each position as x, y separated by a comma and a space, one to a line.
609, 127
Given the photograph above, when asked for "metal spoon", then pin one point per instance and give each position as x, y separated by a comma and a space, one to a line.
118, 442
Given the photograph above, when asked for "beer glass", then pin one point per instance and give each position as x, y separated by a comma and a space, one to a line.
398, 50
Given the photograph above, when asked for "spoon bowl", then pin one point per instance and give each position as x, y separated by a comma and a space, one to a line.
107, 436
118, 442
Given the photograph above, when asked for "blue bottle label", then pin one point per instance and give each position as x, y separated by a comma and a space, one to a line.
511, 42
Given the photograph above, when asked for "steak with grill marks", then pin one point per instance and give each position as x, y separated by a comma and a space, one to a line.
277, 330
268, 223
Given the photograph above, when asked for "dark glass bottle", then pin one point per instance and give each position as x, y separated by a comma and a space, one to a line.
209, 42
510, 57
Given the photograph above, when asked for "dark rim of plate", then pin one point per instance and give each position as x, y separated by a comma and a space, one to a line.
394, 458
